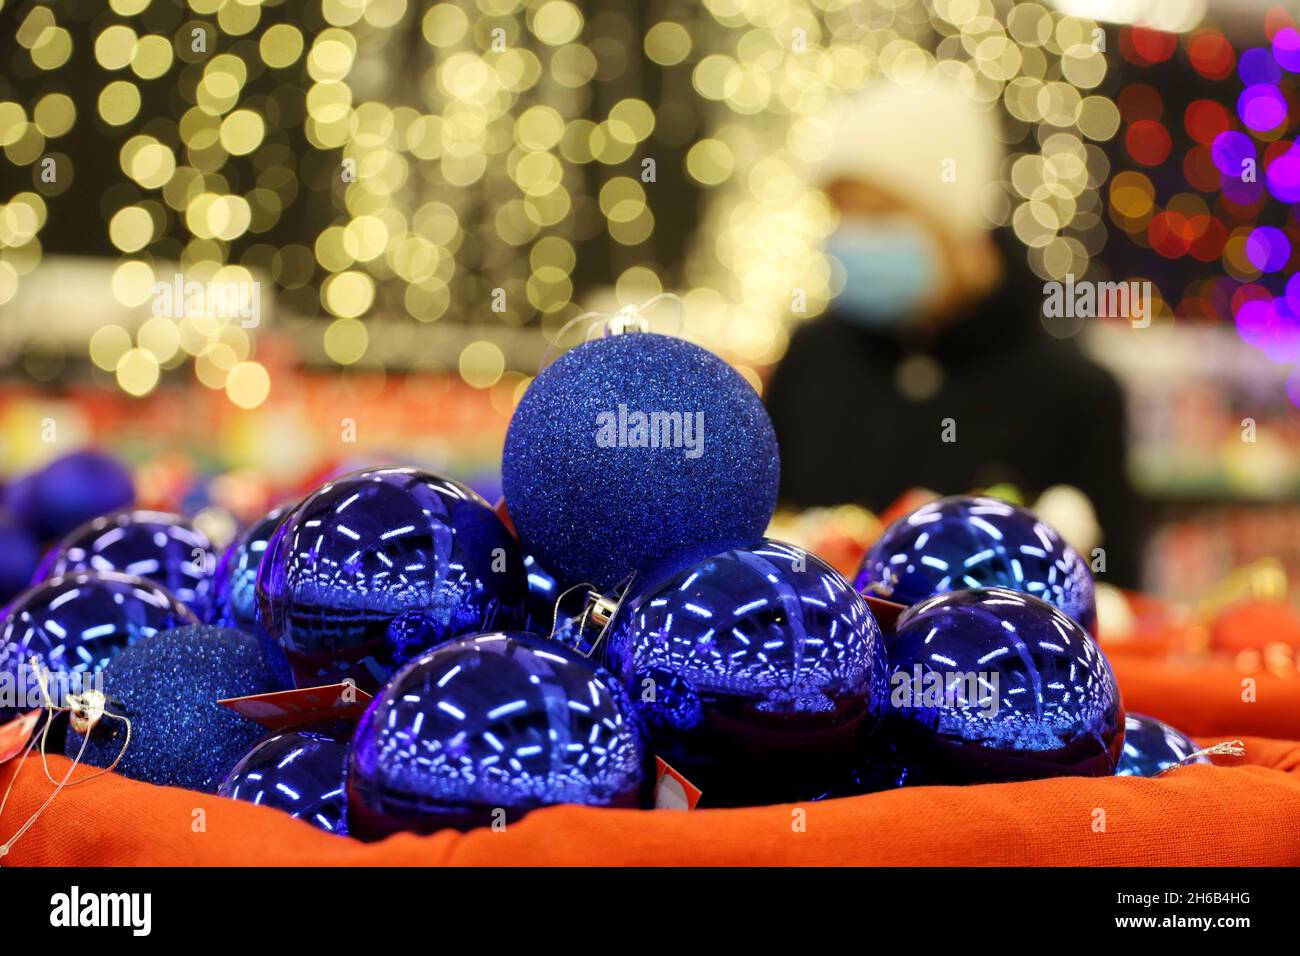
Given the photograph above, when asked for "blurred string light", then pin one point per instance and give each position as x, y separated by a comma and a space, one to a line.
448, 164
1171, 16
175, 165
1263, 251
773, 70
1218, 186
466, 150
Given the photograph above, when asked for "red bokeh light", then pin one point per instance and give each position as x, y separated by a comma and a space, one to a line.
1199, 169
1148, 142
1206, 119
1211, 237
1277, 18
1212, 55
1151, 46
1139, 102
1170, 234
1249, 292
1275, 149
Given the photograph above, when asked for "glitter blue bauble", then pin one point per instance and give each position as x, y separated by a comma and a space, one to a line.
74, 625
482, 730
168, 686
973, 542
990, 685
376, 567
69, 491
593, 505
163, 548
759, 673
1151, 747
300, 771
20, 554
234, 585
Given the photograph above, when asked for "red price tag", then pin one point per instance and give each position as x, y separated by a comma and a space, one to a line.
304, 705
672, 790
15, 734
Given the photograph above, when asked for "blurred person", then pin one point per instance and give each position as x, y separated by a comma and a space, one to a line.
938, 319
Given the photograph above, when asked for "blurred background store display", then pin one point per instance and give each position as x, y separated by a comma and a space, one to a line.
392, 208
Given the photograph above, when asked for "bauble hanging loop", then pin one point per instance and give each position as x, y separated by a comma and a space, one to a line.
629, 318
85, 710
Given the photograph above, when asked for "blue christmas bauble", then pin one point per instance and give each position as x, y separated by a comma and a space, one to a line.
543, 592
234, 584
989, 685
482, 730
20, 554
638, 452
168, 686
163, 548
1151, 747
74, 625
376, 567
974, 542
69, 491
759, 673
300, 771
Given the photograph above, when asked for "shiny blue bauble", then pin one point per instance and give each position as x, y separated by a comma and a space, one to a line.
759, 673
482, 730
69, 491
974, 542
234, 587
543, 592
163, 548
374, 568
596, 493
1151, 747
168, 686
234, 584
990, 685
300, 771
74, 625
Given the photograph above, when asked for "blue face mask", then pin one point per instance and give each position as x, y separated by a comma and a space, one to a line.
890, 267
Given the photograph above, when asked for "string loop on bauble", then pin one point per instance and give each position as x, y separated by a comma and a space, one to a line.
85, 711
630, 318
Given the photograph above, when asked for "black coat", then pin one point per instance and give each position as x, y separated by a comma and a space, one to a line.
1028, 409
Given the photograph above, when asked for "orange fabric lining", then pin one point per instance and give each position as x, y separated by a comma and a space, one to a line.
1242, 812
1244, 815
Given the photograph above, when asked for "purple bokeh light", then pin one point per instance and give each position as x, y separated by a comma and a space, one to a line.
1262, 106
1293, 292
1283, 176
1239, 191
1257, 66
1286, 49
1268, 249
1293, 386
1230, 150
1270, 327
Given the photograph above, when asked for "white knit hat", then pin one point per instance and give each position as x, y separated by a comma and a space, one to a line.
927, 143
